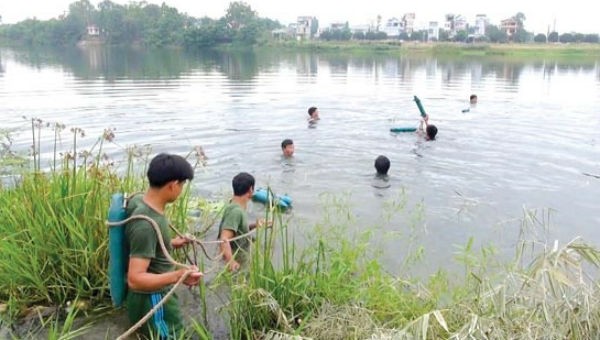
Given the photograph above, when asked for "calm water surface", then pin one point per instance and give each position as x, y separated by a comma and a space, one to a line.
527, 144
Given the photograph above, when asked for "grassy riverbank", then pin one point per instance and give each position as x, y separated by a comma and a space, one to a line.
53, 255
476, 49
336, 288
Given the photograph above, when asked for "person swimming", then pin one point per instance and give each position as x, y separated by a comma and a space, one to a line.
313, 115
472, 103
382, 166
428, 130
287, 148
473, 99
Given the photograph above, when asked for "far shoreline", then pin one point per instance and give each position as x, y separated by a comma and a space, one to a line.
572, 51
575, 50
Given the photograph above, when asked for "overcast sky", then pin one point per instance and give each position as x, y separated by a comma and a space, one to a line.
573, 15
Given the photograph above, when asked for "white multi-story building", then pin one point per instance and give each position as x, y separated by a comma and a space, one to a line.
510, 26
460, 23
393, 27
409, 22
306, 26
481, 21
433, 32
454, 24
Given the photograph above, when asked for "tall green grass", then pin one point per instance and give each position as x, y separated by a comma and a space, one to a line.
53, 237
326, 290
53, 242
336, 288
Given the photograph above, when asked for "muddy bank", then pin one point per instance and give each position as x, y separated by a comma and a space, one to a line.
114, 322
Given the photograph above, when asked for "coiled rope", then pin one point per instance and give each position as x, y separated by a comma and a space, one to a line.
185, 275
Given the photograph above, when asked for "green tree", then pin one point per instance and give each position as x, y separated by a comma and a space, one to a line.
566, 38
325, 35
83, 10
242, 21
239, 14
81, 14
419, 35
553, 37
249, 34
521, 36
207, 32
461, 36
360, 35
495, 35
169, 28
380, 36
540, 38
591, 38
375, 35
149, 24
443, 36
578, 37
520, 19
314, 27
111, 20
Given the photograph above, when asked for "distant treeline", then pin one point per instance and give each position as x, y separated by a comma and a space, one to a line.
140, 23
153, 25
493, 34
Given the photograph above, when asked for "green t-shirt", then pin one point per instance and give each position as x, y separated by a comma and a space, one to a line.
142, 239
236, 220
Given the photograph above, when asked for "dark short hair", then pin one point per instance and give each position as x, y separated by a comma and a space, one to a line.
242, 183
431, 131
311, 110
286, 142
382, 165
472, 96
165, 168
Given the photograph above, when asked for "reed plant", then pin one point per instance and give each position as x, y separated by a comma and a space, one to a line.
335, 287
53, 249
10, 161
53, 237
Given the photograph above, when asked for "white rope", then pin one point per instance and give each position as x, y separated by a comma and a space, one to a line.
161, 242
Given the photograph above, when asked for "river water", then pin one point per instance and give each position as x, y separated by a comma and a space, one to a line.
532, 141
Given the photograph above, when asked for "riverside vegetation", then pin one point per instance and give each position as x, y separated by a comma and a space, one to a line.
150, 25
53, 253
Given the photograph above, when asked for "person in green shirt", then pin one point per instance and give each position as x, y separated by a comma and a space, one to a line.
235, 222
150, 275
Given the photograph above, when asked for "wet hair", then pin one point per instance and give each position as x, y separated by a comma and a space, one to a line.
311, 110
431, 131
473, 96
242, 183
382, 165
165, 168
286, 142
